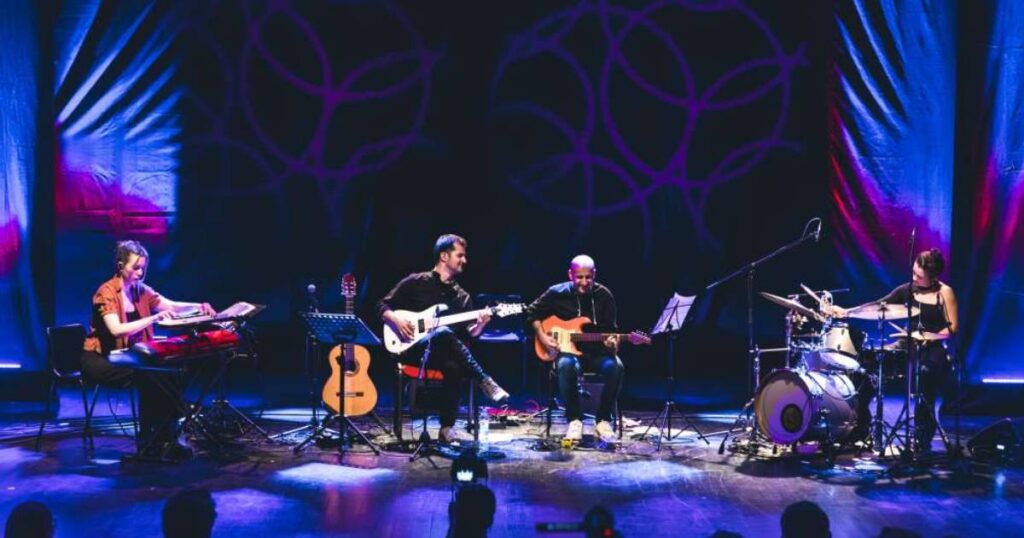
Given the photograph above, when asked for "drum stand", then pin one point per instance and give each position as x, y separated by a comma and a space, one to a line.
878, 425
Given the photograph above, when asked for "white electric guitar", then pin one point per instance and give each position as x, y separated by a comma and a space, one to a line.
431, 318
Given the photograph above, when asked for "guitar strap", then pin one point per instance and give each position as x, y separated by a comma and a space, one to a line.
593, 307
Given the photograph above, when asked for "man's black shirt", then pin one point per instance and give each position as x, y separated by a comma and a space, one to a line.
561, 300
420, 291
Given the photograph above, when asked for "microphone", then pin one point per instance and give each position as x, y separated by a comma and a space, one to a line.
314, 305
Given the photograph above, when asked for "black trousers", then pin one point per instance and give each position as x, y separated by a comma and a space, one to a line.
934, 366
866, 385
934, 363
158, 416
567, 368
444, 351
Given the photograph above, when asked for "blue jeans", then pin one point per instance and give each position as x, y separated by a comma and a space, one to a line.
567, 368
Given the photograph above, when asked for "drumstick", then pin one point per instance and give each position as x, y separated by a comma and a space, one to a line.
821, 302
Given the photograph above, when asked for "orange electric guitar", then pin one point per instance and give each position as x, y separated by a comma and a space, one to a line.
360, 394
567, 333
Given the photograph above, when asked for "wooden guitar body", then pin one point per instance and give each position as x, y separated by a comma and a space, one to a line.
354, 362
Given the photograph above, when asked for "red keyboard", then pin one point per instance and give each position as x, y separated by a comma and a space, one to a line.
183, 348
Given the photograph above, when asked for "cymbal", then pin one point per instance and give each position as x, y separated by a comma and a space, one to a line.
875, 311
792, 305
922, 336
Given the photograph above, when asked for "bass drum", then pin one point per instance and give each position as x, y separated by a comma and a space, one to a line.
789, 406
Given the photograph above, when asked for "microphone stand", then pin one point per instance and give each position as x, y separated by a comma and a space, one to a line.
310, 352
754, 364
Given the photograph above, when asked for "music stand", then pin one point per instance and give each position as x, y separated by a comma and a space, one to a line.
670, 322
331, 330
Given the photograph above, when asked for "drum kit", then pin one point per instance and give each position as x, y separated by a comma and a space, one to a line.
814, 397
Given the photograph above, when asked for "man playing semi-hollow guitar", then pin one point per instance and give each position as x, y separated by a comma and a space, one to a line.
448, 354
581, 296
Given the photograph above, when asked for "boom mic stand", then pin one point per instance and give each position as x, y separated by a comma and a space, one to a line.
754, 365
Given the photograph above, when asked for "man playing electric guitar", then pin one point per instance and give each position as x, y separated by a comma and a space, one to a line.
447, 352
581, 296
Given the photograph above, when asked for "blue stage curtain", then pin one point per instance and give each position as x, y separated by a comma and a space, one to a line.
21, 317
892, 105
990, 188
117, 130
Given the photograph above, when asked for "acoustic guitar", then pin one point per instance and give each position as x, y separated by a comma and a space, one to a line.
360, 393
568, 332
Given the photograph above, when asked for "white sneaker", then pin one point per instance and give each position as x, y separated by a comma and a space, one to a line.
604, 430
450, 435
575, 431
491, 389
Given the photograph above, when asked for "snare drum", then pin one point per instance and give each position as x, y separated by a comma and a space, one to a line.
796, 405
838, 349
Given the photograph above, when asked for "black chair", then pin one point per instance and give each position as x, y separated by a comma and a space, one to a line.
590, 386
422, 397
63, 355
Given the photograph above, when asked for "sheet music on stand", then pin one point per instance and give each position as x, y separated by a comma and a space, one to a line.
238, 311
333, 329
674, 314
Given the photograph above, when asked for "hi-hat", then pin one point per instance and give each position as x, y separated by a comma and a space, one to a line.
921, 336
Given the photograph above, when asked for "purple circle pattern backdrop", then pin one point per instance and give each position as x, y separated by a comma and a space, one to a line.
619, 167
405, 71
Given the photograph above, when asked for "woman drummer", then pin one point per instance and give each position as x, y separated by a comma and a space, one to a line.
937, 322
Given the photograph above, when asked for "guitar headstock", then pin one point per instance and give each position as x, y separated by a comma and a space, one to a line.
348, 286
638, 338
507, 309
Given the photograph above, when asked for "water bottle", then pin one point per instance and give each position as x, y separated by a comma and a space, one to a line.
485, 425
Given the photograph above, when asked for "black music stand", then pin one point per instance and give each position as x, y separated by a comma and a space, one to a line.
331, 330
669, 324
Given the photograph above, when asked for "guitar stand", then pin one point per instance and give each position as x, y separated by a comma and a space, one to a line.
321, 432
338, 329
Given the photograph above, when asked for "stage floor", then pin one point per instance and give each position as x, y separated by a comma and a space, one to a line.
686, 489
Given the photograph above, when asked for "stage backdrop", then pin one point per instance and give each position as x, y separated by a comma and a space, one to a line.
257, 147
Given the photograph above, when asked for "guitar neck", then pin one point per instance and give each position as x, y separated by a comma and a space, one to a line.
594, 337
350, 308
461, 317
